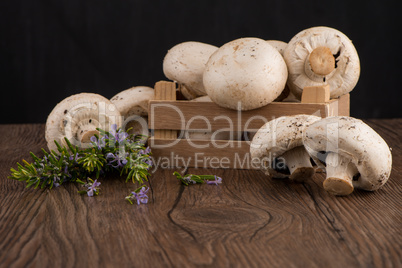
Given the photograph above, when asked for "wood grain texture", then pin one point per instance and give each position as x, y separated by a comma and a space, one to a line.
202, 153
165, 113
191, 115
247, 221
316, 94
165, 91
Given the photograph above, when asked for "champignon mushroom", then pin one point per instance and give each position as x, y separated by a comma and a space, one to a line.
248, 71
132, 104
185, 64
279, 45
77, 118
352, 153
319, 56
205, 98
188, 94
278, 148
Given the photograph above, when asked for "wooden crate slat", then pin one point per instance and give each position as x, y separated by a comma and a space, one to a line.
316, 94
340, 106
179, 115
180, 153
167, 117
165, 91
344, 105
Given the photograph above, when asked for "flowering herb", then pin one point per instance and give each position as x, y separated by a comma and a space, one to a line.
218, 180
193, 179
92, 187
140, 195
109, 151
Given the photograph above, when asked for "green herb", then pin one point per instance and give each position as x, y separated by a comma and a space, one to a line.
193, 179
110, 151
140, 195
92, 187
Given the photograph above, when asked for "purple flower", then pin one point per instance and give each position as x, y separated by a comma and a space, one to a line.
56, 181
146, 151
118, 135
93, 187
119, 159
218, 180
66, 174
75, 157
99, 143
141, 196
148, 162
188, 180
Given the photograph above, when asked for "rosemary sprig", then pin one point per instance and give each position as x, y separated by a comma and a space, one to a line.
140, 195
109, 151
193, 179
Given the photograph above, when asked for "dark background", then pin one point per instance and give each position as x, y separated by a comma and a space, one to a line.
51, 49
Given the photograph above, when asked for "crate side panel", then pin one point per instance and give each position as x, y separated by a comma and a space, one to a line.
340, 106
182, 153
344, 105
188, 115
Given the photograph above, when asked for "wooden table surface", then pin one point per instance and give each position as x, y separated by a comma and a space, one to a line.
247, 221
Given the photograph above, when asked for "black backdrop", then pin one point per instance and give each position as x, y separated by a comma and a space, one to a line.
51, 49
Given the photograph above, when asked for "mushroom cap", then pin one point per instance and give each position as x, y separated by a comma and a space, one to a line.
185, 64
355, 140
279, 45
245, 70
133, 106
77, 117
189, 94
343, 76
276, 137
133, 101
205, 98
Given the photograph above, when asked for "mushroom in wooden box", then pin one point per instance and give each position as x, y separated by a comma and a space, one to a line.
322, 56
245, 74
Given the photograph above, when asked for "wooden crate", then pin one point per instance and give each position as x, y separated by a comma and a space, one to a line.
168, 118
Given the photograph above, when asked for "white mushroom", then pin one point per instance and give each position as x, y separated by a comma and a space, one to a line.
205, 98
277, 148
188, 94
132, 104
319, 56
185, 64
279, 45
78, 117
352, 153
246, 71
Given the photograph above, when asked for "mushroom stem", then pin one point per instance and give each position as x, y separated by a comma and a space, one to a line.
86, 132
340, 172
299, 164
322, 61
